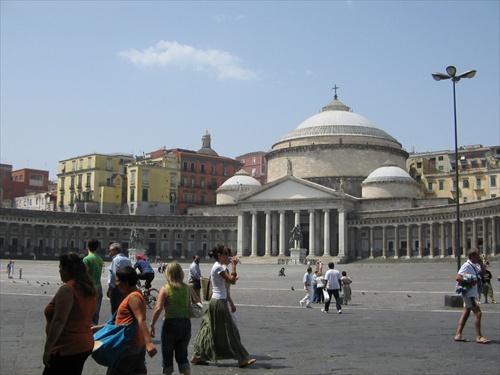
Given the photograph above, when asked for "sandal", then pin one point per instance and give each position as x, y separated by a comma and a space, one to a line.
248, 363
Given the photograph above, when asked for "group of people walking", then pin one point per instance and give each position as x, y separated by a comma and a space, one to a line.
320, 288
72, 316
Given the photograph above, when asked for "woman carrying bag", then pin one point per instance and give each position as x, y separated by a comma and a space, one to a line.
133, 358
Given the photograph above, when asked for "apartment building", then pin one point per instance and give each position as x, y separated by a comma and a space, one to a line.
93, 183
255, 164
478, 167
21, 182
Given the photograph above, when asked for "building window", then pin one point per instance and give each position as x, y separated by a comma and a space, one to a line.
132, 177
441, 168
465, 183
73, 165
132, 194
144, 195
87, 183
202, 168
441, 185
465, 199
202, 183
193, 169
214, 170
203, 199
429, 186
440, 158
193, 198
145, 177
185, 197
89, 162
419, 164
225, 171
192, 181
184, 181
185, 166
173, 180
109, 165
493, 181
80, 181
478, 183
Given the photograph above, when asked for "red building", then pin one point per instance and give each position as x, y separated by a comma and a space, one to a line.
202, 172
21, 182
255, 164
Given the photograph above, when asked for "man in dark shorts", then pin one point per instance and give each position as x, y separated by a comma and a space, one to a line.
146, 270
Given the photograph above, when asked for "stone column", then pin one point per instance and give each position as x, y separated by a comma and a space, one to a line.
312, 233
342, 233
493, 235
464, 238
282, 234
171, 244
442, 250
254, 233
268, 233
485, 236
326, 239
420, 241
408, 241
474, 234
239, 240
184, 243
372, 242
384, 242
431, 240
396, 241
455, 252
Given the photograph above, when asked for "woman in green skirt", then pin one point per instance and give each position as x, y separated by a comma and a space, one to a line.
218, 337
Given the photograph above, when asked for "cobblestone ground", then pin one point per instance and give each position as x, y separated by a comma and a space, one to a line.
396, 322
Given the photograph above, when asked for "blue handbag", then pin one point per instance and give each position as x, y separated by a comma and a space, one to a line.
111, 340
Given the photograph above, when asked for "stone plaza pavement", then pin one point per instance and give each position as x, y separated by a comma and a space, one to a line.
396, 322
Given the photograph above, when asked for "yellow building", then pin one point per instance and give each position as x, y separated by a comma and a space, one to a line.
479, 173
92, 183
152, 185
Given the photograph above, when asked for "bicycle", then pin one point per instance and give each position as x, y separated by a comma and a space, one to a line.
151, 296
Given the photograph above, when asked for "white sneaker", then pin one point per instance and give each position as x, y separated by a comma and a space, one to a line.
323, 310
301, 303
340, 311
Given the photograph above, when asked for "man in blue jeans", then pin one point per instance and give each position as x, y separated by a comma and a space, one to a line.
333, 286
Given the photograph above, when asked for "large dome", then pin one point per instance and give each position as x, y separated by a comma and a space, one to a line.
336, 119
333, 145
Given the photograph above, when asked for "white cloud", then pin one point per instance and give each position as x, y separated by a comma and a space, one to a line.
166, 53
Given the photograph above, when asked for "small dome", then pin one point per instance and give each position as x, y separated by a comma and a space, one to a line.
241, 179
389, 173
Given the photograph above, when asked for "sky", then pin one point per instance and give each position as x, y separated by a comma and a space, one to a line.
83, 77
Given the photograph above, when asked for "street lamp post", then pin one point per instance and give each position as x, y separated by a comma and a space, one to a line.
452, 74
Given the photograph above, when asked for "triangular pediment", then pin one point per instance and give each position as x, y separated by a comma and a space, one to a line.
291, 188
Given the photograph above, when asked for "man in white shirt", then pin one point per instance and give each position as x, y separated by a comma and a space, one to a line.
333, 286
306, 301
467, 278
118, 262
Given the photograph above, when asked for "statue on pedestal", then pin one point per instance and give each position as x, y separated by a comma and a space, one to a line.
296, 236
135, 239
